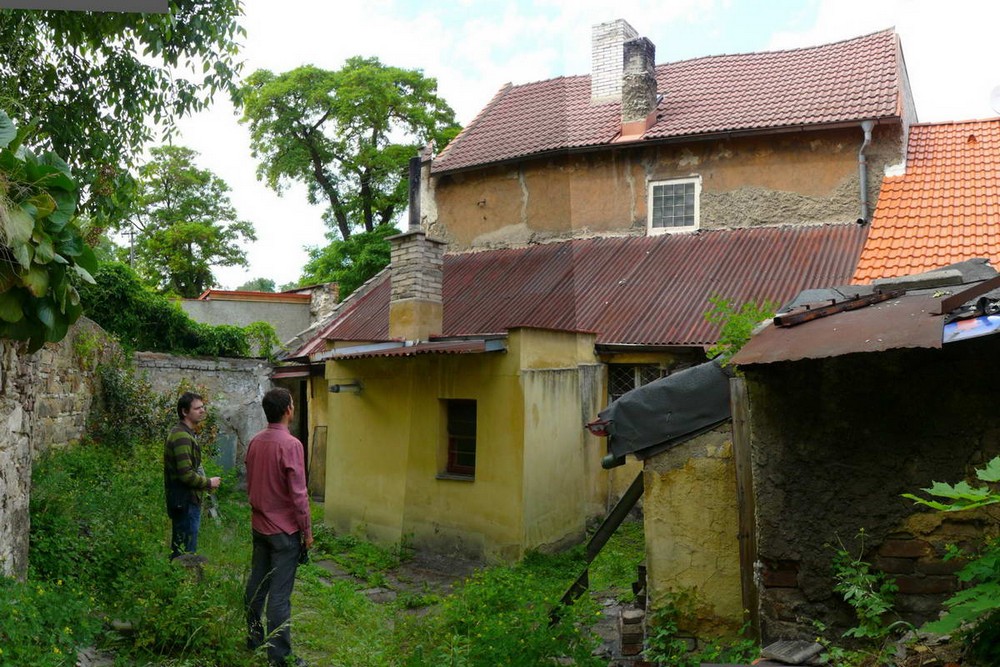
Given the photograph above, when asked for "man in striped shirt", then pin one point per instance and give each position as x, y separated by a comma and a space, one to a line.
183, 478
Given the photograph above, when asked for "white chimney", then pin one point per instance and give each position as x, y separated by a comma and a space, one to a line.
607, 58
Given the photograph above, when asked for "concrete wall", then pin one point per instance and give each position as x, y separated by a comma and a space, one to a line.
45, 399
807, 177
834, 444
691, 524
288, 319
234, 388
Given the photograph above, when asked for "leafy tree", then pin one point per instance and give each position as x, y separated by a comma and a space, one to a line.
736, 325
347, 135
258, 285
351, 262
43, 251
87, 84
187, 223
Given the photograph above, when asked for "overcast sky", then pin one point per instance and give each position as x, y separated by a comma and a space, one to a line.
473, 47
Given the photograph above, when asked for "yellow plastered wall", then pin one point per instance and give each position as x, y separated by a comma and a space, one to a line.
386, 447
691, 526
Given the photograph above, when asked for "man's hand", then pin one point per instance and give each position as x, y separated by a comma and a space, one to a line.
309, 541
214, 482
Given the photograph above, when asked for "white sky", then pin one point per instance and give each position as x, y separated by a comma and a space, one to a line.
473, 47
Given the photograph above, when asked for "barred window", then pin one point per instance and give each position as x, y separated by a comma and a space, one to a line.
623, 378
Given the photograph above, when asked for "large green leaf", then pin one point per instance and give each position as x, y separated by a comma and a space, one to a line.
65, 208
46, 312
10, 306
23, 253
7, 130
44, 251
36, 279
46, 176
20, 225
69, 243
991, 473
44, 204
87, 259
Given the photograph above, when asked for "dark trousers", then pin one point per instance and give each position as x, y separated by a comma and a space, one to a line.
186, 522
272, 573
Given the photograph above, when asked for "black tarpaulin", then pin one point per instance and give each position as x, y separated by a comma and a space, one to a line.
668, 411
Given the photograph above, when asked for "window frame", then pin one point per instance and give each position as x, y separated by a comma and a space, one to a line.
636, 370
652, 230
452, 468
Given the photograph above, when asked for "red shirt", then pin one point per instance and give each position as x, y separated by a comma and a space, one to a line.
276, 483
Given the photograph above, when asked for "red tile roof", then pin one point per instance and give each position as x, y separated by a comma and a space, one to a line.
628, 290
846, 81
945, 209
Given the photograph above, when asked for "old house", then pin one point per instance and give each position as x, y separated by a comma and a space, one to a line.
567, 244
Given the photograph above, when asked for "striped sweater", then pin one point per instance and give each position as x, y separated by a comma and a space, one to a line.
182, 463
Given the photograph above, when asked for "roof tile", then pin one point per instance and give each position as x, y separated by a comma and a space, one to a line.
944, 209
850, 80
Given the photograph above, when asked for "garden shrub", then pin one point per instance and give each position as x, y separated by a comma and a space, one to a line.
143, 320
42, 623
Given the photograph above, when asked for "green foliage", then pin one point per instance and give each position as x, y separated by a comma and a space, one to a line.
258, 285
976, 608
351, 262
187, 224
129, 411
665, 643
502, 617
42, 623
89, 83
347, 135
617, 564
42, 246
735, 325
869, 592
142, 320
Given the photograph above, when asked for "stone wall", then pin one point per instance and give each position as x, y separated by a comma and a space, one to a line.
834, 444
45, 399
234, 389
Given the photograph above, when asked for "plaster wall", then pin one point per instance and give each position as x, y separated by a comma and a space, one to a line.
834, 444
801, 177
691, 526
234, 389
288, 319
387, 447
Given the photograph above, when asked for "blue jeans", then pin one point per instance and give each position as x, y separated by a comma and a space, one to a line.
272, 573
184, 536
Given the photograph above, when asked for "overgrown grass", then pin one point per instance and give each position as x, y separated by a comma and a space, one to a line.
99, 554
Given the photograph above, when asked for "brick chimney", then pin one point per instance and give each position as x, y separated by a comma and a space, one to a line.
415, 307
607, 42
638, 82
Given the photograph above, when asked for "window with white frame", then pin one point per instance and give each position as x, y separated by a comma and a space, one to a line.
673, 205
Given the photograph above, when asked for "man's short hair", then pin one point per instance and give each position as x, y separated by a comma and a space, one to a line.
276, 403
184, 403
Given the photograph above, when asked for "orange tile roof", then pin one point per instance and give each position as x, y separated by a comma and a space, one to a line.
846, 81
944, 209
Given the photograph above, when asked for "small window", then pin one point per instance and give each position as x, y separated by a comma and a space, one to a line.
623, 378
673, 205
461, 437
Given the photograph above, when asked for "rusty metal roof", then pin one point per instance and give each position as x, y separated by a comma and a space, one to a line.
627, 290
432, 347
907, 321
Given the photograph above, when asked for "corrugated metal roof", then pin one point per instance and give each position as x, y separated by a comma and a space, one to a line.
432, 347
847, 81
907, 321
628, 290
944, 209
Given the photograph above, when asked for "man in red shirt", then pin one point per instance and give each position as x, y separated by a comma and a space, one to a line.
276, 486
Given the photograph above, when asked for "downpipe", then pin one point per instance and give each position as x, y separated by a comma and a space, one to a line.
867, 127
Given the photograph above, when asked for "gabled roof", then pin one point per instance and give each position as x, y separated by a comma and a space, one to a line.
847, 81
628, 290
944, 209
244, 295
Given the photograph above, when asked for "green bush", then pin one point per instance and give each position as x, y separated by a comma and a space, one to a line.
41, 624
141, 319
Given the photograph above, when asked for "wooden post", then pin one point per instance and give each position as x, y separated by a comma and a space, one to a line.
745, 500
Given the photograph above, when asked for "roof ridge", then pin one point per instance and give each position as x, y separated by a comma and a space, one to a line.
968, 121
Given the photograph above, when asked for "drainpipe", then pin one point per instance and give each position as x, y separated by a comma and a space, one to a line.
867, 126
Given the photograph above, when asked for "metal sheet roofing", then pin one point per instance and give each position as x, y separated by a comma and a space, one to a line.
846, 81
944, 209
627, 290
433, 347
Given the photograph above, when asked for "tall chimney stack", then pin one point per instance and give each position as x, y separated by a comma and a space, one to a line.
638, 80
607, 56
